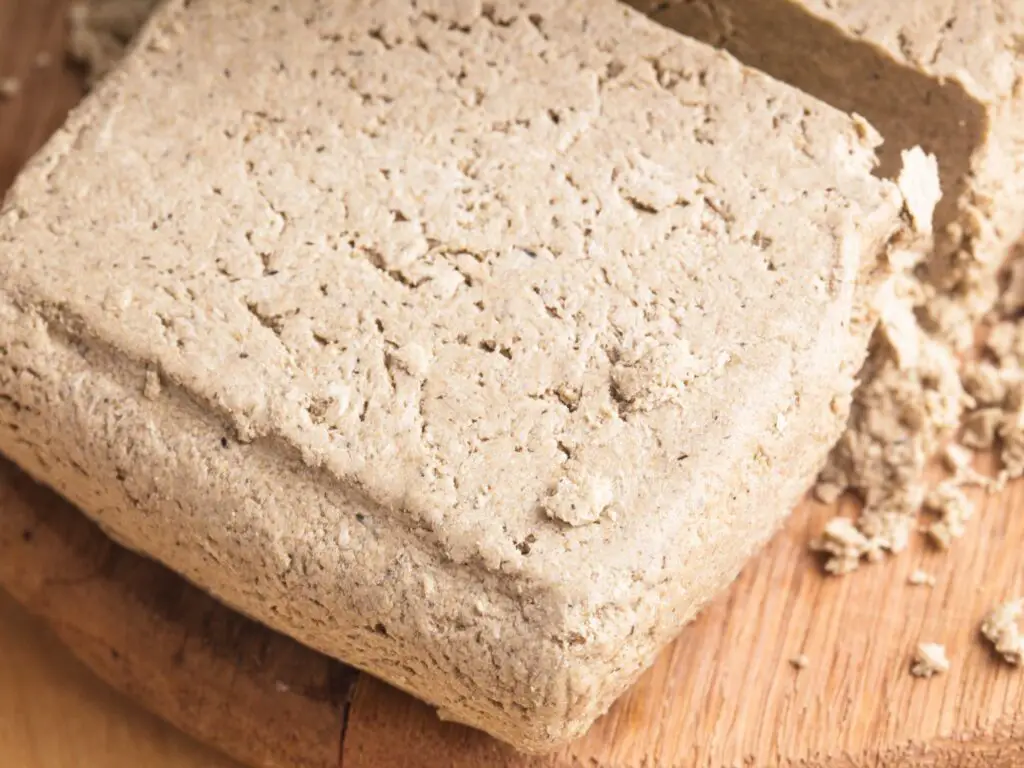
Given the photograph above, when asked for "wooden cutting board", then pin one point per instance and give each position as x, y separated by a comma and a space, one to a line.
724, 694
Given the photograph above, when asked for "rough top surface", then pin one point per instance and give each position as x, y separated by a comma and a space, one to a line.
464, 257
941, 37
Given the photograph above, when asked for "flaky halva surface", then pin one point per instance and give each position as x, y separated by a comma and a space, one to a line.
476, 345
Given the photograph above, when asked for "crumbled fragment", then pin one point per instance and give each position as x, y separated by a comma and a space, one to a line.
956, 457
1006, 344
919, 183
9, 87
151, 387
1011, 437
921, 578
1000, 628
929, 659
889, 531
984, 382
1014, 399
1012, 299
826, 492
800, 661
958, 460
979, 428
947, 319
954, 509
644, 382
898, 328
42, 60
580, 496
99, 32
843, 545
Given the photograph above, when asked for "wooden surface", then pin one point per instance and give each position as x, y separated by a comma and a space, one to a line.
724, 694
55, 714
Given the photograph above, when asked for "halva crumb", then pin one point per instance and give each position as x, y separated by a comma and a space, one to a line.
929, 659
99, 32
919, 183
844, 545
921, 578
953, 508
1001, 628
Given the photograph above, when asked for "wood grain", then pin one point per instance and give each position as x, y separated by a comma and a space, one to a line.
55, 714
723, 694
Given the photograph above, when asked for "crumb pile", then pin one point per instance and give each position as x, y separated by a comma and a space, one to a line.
927, 393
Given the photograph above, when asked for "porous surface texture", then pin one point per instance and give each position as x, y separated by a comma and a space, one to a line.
947, 75
476, 345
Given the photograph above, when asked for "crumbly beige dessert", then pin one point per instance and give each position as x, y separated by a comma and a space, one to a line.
929, 660
1001, 628
952, 80
477, 345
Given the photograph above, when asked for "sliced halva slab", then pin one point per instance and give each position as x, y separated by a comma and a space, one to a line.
947, 75
477, 345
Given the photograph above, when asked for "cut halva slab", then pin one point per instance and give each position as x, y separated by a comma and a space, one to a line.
947, 75
476, 345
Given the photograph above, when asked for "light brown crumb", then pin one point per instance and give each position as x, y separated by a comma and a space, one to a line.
957, 458
827, 493
979, 428
151, 387
919, 183
1005, 343
99, 32
929, 659
1000, 628
921, 578
984, 382
9, 87
954, 509
800, 661
843, 544
42, 60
